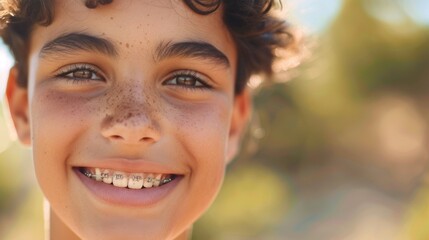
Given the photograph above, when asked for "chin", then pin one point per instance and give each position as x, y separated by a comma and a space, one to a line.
142, 230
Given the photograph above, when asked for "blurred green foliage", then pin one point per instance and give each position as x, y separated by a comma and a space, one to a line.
20, 199
325, 128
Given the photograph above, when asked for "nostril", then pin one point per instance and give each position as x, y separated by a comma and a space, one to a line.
131, 131
117, 137
145, 139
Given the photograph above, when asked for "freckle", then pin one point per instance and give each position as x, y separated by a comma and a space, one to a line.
127, 45
111, 18
120, 43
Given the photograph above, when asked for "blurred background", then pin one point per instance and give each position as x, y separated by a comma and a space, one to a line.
337, 149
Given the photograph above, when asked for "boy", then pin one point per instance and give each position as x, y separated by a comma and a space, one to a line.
133, 108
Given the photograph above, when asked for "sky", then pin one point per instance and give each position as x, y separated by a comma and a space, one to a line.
417, 9
313, 16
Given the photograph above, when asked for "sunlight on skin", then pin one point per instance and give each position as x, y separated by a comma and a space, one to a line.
6, 63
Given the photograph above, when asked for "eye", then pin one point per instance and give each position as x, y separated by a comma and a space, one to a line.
86, 74
183, 80
187, 79
81, 72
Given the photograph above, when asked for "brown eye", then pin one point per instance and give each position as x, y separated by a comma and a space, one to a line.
186, 80
82, 74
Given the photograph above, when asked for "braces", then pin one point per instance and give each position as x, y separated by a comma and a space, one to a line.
167, 180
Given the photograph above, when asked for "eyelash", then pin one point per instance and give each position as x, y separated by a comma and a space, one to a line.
71, 69
200, 84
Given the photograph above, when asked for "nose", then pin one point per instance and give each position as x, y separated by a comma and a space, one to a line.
132, 127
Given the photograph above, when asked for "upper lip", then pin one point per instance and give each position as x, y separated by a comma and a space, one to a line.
133, 166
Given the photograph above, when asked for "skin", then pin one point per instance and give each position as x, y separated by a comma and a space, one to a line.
129, 108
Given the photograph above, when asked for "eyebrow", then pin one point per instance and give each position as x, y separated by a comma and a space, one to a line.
67, 44
70, 42
191, 49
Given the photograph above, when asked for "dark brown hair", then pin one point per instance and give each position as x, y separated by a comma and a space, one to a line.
257, 34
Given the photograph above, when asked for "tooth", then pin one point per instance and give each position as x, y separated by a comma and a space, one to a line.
107, 178
148, 181
98, 174
166, 179
157, 180
135, 181
87, 173
120, 179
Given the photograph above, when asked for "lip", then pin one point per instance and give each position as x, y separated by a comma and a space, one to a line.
144, 197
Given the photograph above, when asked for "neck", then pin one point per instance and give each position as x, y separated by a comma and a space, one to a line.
58, 230
186, 235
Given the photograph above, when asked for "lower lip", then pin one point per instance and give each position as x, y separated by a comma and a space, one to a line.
125, 196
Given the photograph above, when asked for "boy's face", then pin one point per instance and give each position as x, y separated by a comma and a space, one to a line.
136, 87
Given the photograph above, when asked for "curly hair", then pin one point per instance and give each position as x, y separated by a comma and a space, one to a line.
256, 32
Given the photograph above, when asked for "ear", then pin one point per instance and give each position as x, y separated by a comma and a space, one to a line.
240, 117
17, 97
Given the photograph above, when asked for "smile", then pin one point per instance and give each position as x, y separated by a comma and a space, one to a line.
125, 188
127, 180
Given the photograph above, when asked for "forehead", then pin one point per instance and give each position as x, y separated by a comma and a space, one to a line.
137, 22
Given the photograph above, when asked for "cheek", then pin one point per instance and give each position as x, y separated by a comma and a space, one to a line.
56, 121
55, 118
202, 128
202, 132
